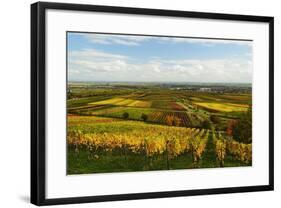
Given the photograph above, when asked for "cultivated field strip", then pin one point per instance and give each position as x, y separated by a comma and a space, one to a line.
174, 118
123, 102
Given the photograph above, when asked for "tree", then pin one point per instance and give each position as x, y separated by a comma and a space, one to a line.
242, 131
169, 120
230, 125
125, 115
173, 120
215, 119
69, 94
177, 121
144, 117
206, 124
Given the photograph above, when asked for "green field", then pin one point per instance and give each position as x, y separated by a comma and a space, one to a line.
149, 127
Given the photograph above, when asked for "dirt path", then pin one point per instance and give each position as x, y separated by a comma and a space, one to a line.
209, 156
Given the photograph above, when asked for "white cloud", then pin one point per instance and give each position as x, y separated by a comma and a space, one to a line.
134, 40
93, 65
91, 53
115, 39
206, 41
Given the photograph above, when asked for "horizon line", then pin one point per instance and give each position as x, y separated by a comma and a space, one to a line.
161, 82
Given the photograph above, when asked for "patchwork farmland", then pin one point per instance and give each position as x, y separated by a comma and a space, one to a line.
116, 127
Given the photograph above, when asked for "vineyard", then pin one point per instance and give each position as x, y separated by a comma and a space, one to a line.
139, 146
174, 118
139, 128
242, 152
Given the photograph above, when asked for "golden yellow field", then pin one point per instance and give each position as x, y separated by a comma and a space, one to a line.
123, 102
223, 107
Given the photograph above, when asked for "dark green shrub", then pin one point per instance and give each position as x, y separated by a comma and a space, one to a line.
125, 115
144, 117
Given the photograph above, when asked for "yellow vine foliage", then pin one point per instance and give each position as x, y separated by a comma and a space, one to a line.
240, 151
150, 142
198, 143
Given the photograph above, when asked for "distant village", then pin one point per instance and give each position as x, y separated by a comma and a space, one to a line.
204, 87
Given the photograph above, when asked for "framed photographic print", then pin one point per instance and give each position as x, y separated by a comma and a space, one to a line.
134, 103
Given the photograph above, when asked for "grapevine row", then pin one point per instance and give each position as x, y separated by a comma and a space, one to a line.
241, 151
149, 142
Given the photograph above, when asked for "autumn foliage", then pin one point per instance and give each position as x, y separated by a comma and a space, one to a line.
173, 120
230, 126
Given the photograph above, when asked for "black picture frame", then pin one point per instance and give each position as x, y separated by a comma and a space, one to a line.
38, 102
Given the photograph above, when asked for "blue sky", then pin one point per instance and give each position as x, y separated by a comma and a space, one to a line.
104, 57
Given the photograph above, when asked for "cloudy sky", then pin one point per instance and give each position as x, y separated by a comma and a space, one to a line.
104, 57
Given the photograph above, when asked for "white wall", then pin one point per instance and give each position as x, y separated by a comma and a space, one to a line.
14, 102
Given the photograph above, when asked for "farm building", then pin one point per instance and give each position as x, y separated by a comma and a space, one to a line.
205, 89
